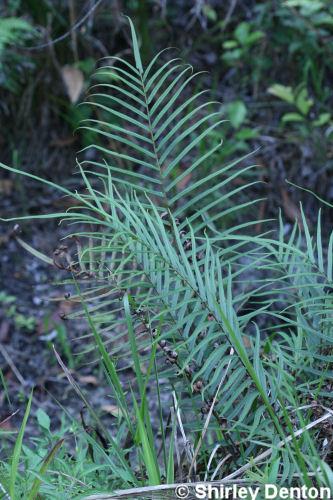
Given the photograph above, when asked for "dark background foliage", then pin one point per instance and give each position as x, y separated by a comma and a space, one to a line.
270, 65
246, 46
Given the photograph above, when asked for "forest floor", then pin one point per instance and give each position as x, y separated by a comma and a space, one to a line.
31, 312
30, 323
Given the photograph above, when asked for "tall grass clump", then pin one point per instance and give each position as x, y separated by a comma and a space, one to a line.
228, 331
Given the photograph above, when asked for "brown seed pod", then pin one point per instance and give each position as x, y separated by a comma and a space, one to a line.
223, 422
174, 354
16, 230
205, 409
197, 386
162, 343
187, 245
154, 332
188, 370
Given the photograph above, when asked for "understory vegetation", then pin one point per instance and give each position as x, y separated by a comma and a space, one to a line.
223, 316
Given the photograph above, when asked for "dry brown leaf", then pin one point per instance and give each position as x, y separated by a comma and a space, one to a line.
6, 426
4, 239
246, 341
65, 307
73, 80
4, 331
64, 203
262, 211
184, 182
88, 379
112, 410
61, 142
291, 210
6, 186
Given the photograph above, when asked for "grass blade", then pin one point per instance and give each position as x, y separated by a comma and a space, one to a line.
18, 448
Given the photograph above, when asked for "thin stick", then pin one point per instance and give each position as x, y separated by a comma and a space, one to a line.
268, 452
12, 366
9, 417
212, 455
209, 416
226, 480
134, 492
69, 32
219, 465
187, 443
6, 495
229, 13
73, 32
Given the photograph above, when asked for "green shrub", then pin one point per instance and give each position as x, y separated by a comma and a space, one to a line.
14, 31
233, 331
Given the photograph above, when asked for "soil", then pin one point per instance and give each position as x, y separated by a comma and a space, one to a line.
27, 359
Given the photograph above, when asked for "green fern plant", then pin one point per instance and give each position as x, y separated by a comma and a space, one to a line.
167, 287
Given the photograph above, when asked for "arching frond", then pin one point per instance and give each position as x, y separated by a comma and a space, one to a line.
154, 136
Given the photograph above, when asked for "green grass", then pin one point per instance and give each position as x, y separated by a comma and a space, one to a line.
208, 317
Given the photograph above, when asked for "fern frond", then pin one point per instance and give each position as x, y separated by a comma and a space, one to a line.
149, 114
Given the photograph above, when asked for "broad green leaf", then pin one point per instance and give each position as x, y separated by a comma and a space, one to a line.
236, 113
283, 92
43, 419
292, 117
